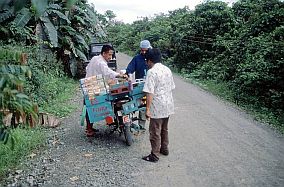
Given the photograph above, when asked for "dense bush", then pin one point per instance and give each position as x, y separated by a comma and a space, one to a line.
241, 46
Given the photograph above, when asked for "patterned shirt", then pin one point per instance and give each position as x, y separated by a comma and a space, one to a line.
98, 66
159, 82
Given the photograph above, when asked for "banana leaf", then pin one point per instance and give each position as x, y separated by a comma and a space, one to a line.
19, 4
39, 7
91, 13
54, 6
81, 40
51, 31
2, 81
22, 96
81, 55
23, 17
70, 3
61, 15
73, 66
3, 4
6, 14
68, 29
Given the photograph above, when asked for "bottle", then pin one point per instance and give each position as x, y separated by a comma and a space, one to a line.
130, 77
130, 85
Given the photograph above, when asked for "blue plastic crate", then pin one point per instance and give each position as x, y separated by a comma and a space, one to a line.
134, 105
130, 106
119, 85
137, 88
119, 89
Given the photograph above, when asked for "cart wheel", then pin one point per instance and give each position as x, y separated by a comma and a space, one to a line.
127, 134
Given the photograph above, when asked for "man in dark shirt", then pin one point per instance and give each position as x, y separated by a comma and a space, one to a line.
139, 66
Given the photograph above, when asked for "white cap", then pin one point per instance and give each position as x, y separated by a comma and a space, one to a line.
145, 44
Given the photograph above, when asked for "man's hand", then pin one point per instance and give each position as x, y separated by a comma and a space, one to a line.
124, 76
149, 98
148, 115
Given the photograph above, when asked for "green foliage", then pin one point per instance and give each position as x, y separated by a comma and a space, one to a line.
50, 88
6, 11
123, 41
6, 55
39, 7
48, 80
6, 14
12, 97
41, 25
6, 135
64, 88
51, 31
70, 3
26, 140
45, 22
23, 17
240, 46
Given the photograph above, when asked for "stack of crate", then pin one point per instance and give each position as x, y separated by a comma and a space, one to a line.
122, 87
93, 86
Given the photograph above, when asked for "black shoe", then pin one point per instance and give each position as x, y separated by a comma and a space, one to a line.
164, 152
151, 158
96, 130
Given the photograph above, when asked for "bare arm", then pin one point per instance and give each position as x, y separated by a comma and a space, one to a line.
148, 104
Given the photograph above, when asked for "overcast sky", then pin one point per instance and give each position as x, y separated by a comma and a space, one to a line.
131, 10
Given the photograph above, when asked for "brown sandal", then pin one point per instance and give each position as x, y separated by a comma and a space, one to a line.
90, 133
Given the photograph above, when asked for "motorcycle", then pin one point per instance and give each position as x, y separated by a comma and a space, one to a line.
117, 104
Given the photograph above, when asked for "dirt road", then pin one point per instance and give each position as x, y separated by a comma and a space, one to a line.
211, 144
214, 144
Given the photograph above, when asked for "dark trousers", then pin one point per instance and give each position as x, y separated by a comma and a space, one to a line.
159, 138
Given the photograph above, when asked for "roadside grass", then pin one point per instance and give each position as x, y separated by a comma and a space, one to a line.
28, 140
58, 106
261, 114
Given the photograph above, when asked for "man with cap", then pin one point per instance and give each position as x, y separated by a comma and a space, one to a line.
139, 66
158, 86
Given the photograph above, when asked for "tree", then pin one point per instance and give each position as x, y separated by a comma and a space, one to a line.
240, 45
65, 27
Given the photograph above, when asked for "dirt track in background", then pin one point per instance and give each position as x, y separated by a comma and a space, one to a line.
211, 144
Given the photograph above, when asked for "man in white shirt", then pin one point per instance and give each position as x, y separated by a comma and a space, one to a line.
98, 66
158, 87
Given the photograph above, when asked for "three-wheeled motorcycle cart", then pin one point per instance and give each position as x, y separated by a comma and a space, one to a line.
116, 103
